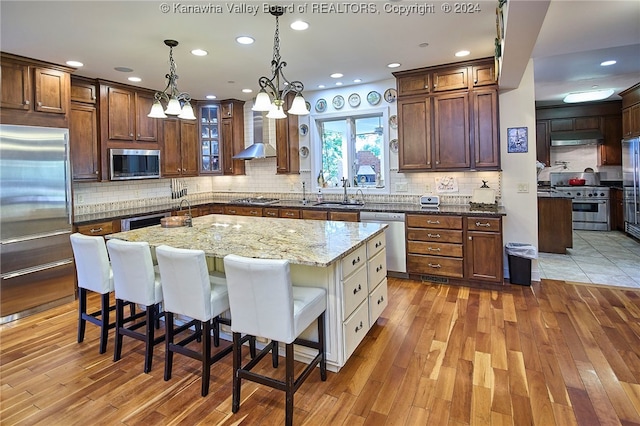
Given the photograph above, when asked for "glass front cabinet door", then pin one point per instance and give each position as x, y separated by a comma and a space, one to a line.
209, 140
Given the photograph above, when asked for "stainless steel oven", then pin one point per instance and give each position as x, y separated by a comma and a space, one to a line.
590, 207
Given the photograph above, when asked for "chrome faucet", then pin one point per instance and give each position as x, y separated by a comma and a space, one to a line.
188, 221
345, 182
361, 193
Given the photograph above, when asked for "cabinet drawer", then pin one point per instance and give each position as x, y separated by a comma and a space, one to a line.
268, 212
376, 244
315, 214
434, 221
290, 213
436, 235
434, 249
377, 267
484, 224
345, 216
377, 302
243, 211
354, 291
353, 261
355, 328
446, 266
101, 228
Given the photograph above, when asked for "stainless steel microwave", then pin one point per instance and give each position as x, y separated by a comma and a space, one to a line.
134, 164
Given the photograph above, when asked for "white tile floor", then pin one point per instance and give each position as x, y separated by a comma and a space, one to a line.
597, 257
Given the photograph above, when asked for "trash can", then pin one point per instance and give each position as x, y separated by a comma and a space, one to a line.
519, 259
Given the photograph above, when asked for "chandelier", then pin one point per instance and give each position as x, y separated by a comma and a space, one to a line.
178, 103
270, 87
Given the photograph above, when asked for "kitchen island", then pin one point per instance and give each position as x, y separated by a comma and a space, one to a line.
347, 259
555, 230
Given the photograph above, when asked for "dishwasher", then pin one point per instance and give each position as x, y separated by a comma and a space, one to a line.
396, 248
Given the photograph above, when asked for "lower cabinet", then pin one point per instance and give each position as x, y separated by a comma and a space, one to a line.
617, 209
243, 211
99, 228
440, 247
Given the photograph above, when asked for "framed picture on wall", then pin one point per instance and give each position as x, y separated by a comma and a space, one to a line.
518, 139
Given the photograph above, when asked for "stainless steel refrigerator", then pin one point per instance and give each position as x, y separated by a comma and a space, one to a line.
36, 261
631, 184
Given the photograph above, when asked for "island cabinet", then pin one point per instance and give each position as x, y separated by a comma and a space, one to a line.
448, 118
555, 230
464, 249
83, 131
631, 111
34, 93
180, 147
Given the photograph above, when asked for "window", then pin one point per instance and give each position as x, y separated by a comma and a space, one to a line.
352, 148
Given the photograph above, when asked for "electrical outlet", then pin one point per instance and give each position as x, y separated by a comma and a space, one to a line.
523, 187
427, 188
402, 187
80, 198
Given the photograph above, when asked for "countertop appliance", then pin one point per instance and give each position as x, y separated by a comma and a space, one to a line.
125, 164
35, 194
142, 221
396, 249
631, 185
590, 206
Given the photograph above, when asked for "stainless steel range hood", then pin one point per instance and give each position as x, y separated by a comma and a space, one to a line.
583, 137
259, 148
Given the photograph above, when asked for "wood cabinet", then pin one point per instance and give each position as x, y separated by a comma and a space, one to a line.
447, 120
344, 216
34, 92
83, 131
99, 228
315, 214
483, 249
610, 152
179, 147
555, 225
243, 210
232, 136
466, 249
125, 113
289, 213
631, 111
287, 142
210, 139
543, 141
617, 209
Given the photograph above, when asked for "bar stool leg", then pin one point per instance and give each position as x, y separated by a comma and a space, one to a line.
168, 355
149, 336
82, 310
237, 362
104, 327
206, 356
289, 382
117, 352
321, 341
274, 353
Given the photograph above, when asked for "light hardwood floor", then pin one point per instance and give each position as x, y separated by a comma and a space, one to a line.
554, 353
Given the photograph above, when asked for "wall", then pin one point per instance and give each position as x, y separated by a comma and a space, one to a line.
517, 109
580, 157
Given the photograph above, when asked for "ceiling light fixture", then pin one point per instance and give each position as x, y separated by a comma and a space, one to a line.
462, 53
76, 64
299, 25
336, 75
211, 96
178, 103
593, 95
607, 63
393, 65
135, 79
272, 85
245, 40
199, 52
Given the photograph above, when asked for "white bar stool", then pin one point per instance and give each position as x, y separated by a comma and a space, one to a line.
188, 290
264, 303
135, 281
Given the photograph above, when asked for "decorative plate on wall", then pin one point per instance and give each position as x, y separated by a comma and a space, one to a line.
393, 121
390, 95
304, 152
304, 129
354, 100
308, 105
373, 98
338, 102
321, 105
393, 145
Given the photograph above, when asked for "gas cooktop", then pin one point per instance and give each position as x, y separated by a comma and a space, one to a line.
257, 201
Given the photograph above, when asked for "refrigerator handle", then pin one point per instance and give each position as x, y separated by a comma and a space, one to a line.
67, 180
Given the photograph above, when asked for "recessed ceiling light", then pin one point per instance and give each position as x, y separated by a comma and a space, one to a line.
123, 69
393, 65
462, 53
211, 96
320, 86
336, 75
135, 79
357, 80
299, 25
423, 45
607, 63
75, 64
245, 40
247, 91
338, 83
593, 95
199, 52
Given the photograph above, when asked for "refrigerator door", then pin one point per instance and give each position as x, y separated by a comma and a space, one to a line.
35, 186
631, 184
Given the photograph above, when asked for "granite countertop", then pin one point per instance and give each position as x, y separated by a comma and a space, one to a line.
305, 242
464, 210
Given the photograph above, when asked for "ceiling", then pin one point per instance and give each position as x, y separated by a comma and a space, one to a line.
574, 37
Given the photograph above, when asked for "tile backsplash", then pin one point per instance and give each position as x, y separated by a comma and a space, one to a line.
577, 158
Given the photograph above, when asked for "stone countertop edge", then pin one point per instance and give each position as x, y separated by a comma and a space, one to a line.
451, 210
305, 242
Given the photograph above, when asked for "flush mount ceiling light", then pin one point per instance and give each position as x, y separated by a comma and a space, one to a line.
178, 103
607, 63
199, 52
393, 65
270, 87
76, 64
592, 95
245, 40
462, 53
299, 25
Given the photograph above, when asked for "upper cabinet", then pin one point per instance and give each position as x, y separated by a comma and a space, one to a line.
33, 92
232, 129
209, 139
125, 115
83, 131
631, 111
448, 118
287, 141
179, 147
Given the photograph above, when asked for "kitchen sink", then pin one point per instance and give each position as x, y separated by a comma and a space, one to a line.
335, 204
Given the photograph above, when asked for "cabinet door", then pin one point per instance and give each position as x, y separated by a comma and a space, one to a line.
483, 256
626, 121
51, 91
451, 135
413, 84
287, 140
414, 133
16, 88
83, 92
226, 110
83, 137
610, 153
543, 142
120, 114
171, 159
226, 137
562, 124
485, 129
189, 148
586, 123
635, 120
146, 127
483, 75
345, 216
451, 79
